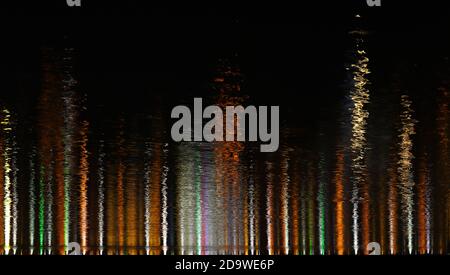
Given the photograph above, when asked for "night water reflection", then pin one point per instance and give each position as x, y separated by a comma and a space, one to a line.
377, 172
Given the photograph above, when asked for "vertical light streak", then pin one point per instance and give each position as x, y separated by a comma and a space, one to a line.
164, 200
251, 213
443, 129
32, 201
227, 85
69, 126
131, 200
120, 209
84, 187
339, 199
67, 184
101, 198
49, 208
360, 99
406, 181
295, 205
59, 189
210, 212
365, 219
120, 196
303, 213
111, 205
423, 208
147, 191
155, 196
2, 195
236, 197
208, 207
270, 215
322, 205
244, 226
15, 196
393, 212
198, 208
221, 222
60, 199
310, 210
7, 201
256, 219
285, 183
186, 199
41, 210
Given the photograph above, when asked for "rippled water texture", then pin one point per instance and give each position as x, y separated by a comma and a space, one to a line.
374, 168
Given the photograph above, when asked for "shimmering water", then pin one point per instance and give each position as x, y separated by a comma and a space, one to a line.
368, 164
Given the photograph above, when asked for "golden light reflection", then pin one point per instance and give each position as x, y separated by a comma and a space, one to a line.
252, 213
406, 180
285, 219
359, 96
154, 203
340, 203
310, 197
131, 202
423, 208
227, 87
8, 196
2, 194
101, 199
84, 166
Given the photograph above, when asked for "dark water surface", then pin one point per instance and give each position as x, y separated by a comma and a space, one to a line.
87, 157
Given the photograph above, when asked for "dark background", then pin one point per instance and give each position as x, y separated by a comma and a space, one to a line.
129, 50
